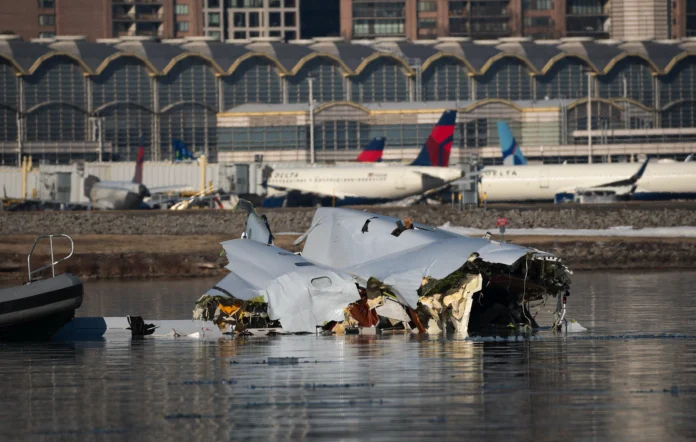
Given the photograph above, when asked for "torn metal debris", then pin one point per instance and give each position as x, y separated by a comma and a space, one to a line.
393, 275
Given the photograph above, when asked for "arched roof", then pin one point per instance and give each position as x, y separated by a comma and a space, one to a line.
224, 58
607, 101
476, 56
599, 56
92, 54
159, 55
23, 55
537, 55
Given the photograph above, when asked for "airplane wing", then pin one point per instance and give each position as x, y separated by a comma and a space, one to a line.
168, 189
627, 182
620, 188
339, 195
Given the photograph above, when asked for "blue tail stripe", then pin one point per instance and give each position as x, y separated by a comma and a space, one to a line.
509, 146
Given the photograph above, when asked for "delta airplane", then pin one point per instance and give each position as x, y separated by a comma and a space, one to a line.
517, 181
378, 183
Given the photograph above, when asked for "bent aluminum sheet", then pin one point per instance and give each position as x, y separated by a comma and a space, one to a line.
336, 240
301, 294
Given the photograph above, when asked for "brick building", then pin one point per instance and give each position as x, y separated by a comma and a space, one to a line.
101, 18
491, 19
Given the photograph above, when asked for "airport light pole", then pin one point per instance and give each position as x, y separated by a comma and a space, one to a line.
311, 119
589, 117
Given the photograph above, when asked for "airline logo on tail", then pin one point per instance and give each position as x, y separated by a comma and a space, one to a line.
373, 152
138, 177
437, 148
512, 153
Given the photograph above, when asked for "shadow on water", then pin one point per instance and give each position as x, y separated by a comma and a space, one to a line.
378, 387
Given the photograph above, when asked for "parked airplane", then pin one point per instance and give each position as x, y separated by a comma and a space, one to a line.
118, 195
563, 182
369, 184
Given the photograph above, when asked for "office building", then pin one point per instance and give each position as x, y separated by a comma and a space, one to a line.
247, 19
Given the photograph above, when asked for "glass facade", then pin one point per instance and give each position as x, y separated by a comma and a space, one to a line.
58, 101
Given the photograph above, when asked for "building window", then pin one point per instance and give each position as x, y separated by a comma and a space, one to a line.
274, 19
274, 4
290, 35
289, 19
215, 34
254, 20
274, 33
213, 3
47, 3
289, 3
247, 4
537, 22
253, 34
240, 35
378, 27
213, 19
379, 9
585, 7
426, 23
47, 34
181, 9
427, 6
538, 5
239, 20
47, 20
182, 26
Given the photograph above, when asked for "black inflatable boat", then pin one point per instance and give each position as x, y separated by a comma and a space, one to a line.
37, 309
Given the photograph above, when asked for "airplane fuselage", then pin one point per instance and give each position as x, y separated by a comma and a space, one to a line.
361, 184
116, 195
543, 182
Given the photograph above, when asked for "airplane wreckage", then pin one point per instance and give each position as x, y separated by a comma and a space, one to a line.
360, 272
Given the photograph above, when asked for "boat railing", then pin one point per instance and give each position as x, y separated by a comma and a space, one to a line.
53, 263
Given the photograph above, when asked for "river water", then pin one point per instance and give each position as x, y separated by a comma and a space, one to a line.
631, 376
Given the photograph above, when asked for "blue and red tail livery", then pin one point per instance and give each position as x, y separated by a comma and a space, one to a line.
138, 177
437, 148
373, 151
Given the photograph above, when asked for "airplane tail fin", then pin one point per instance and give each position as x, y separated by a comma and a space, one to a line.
181, 152
373, 151
437, 148
512, 153
138, 176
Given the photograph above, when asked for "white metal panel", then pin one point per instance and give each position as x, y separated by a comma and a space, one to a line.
11, 182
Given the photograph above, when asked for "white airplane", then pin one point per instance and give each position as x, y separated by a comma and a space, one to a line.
377, 183
124, 195
563, 182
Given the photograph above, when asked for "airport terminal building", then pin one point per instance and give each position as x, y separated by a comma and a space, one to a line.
68, 99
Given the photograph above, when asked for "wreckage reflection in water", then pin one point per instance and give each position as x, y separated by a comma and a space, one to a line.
583, 386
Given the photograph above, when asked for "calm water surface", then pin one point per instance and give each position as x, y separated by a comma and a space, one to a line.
632, 376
